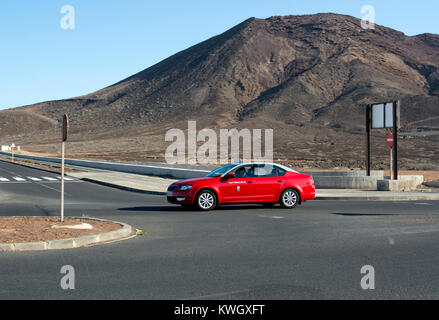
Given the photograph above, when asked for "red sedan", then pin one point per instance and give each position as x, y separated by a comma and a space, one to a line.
264, 183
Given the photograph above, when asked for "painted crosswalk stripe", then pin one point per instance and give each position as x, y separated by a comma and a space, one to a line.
3, 179
49, 178
18, 179
66, 178
34, 179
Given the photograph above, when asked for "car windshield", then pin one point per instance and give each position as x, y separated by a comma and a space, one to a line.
219, 172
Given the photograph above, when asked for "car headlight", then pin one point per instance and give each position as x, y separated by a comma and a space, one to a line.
185, 188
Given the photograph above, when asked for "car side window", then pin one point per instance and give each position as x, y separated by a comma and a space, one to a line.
244, 172
259, 171
265, 170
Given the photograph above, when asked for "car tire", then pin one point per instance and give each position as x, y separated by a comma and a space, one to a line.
289, 199
206, 200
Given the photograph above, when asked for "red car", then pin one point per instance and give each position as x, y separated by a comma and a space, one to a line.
264, 183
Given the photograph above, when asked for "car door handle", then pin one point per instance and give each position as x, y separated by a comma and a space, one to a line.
280, 181
249, 182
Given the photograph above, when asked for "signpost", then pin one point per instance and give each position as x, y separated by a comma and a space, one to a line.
389, 141
65, 131
384, 116
12, 146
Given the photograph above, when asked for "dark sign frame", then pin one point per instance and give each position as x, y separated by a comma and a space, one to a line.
396, 120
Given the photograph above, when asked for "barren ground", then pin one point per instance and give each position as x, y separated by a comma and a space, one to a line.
34, 229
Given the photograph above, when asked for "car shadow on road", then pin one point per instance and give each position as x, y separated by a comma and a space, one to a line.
154, 208
180, 209
365, 214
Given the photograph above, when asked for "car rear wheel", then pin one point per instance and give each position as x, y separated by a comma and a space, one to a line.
206, 200
289, 199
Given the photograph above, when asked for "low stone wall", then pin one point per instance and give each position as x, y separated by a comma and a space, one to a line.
350, 174
338, 182
403, 184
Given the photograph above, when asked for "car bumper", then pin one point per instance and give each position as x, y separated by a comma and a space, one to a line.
308, 193
180, 198
308, 196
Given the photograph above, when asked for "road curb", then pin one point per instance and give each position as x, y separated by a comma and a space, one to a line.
125, 232
421, 197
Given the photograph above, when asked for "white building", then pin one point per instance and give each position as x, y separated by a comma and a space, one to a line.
8, 148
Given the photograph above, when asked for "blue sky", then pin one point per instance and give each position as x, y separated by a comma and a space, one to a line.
114, 39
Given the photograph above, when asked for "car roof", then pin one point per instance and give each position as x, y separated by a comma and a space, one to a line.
243, 164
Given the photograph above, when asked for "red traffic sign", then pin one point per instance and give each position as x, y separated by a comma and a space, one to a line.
13, 145
389, 140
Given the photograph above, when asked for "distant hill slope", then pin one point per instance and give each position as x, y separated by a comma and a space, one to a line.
308, 77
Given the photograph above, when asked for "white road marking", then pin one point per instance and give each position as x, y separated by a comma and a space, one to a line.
270, 217
58, 178
49, 179
391, 241
414, 230
42, 185
34, 179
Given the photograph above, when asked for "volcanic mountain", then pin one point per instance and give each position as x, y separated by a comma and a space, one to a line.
307, 77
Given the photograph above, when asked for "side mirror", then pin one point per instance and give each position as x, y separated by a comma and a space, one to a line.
230, 176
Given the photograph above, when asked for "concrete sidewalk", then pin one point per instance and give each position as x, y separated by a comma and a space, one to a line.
126, 181
156, 185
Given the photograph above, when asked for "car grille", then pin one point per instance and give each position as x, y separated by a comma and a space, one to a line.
172, 187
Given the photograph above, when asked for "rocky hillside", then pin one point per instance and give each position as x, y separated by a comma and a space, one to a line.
307, 77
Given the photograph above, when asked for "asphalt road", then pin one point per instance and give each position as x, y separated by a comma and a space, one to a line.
240, 252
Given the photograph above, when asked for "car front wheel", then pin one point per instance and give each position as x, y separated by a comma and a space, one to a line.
206, 200
289, 199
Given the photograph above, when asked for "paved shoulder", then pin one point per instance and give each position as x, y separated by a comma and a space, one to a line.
127, 181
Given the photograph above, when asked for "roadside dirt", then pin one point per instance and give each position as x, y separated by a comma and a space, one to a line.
33, 229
